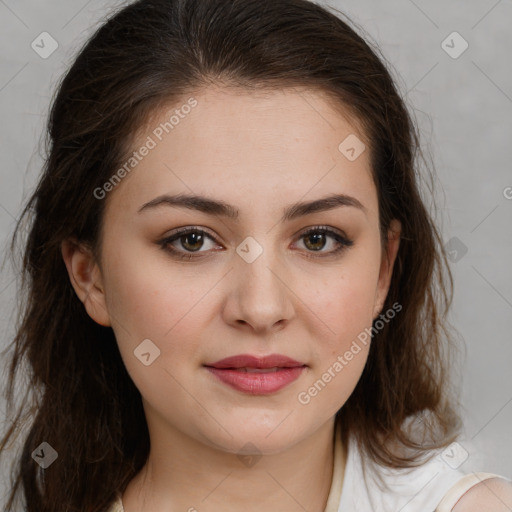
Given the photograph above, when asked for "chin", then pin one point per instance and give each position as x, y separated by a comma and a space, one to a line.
256, 437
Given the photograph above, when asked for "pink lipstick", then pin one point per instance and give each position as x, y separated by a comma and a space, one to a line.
257, 375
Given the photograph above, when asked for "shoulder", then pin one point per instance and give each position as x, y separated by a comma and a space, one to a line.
493, 495
370, 485
117, 506
433, 484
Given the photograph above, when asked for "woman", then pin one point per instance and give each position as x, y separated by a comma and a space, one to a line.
232, 279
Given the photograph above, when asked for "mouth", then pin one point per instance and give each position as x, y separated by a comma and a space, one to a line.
256, 370
256, 362
257, 375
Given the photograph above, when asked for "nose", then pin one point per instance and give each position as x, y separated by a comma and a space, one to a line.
260, 297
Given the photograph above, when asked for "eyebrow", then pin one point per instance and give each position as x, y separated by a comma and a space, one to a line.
216, 207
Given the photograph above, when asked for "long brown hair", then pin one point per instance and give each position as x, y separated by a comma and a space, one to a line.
78, 396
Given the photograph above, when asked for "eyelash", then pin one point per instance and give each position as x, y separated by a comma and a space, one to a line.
343, 242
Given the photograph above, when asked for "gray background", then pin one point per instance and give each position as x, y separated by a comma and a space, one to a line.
463, 106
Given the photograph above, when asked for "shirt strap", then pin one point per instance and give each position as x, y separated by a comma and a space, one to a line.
338, 474
460, 488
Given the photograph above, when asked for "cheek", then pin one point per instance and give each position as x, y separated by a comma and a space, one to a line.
344, 307
331, 385
150, 302
148, 298
344, 300
339, 357
149, 295
345, 304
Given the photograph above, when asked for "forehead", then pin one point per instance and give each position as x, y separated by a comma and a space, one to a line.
269, 147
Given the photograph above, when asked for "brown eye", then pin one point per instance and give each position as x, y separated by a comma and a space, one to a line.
187, 243
318, 238
315, 241
192, 241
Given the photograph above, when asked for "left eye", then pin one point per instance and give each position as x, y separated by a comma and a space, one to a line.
316, 239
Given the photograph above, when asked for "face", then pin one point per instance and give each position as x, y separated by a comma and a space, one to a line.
258, 276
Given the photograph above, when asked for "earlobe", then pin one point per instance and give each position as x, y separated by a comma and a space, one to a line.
85, 277
386, 268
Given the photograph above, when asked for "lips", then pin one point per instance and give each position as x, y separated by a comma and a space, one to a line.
255, 362
257, 375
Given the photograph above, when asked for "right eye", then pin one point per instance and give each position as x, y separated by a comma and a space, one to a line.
191, 240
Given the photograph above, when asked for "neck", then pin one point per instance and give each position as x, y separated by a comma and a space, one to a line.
181, 473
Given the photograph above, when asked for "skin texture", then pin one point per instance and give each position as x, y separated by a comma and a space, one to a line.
259, 153
493, 495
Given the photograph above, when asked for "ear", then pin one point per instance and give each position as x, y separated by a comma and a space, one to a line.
386, 267
85, 276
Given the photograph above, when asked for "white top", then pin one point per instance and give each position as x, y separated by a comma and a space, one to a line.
432, 487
